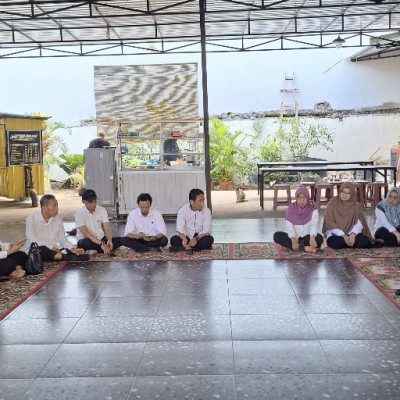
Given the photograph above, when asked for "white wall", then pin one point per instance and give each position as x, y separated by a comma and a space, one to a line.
237, 82
356, 137
77, 141
254, 83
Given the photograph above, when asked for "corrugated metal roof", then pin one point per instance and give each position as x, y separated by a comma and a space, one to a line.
8, 115
30, 28
385, 46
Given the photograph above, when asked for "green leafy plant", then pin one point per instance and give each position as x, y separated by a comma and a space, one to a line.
225, 150
246, 170
298, 137
51, 142
73, 166
78, 177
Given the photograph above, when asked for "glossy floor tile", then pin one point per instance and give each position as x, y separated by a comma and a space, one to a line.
202, 330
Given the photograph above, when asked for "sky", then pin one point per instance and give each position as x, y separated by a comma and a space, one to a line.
237, 82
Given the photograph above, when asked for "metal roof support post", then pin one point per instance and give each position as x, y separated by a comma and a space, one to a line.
202, 5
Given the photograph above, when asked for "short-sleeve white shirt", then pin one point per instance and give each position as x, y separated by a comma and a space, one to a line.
93, 222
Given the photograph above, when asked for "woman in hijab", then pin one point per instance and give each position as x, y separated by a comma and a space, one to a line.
344, 223
301, 225
387, 225
12, 260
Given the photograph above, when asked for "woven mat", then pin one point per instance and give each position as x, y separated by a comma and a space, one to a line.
368, 261
242, 251
14, 291
384, 273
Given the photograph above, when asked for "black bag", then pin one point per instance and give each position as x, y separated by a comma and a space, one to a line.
34, 264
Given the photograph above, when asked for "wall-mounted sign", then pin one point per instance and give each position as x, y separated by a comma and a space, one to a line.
24, 148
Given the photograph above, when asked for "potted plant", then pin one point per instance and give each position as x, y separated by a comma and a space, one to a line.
224, 151
73, 166
78, 180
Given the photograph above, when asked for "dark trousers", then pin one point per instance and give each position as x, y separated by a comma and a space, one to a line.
284, 240
337, 242
389, 239
8, 265
47, 254
87, 244
205, 243
142, 245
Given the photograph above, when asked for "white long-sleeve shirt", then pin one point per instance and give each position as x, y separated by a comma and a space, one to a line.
4, 247
50, 234
310, 228
357, 228
151, 224
382, 221
190, 222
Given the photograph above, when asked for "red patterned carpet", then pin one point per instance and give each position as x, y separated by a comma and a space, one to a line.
381, 266
15, 291
384, 273
242, 251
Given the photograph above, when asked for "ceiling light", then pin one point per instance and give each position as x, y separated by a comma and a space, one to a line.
338, 42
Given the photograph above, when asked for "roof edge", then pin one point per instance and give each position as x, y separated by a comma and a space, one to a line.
8, 115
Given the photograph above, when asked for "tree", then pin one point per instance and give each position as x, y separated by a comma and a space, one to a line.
298, 137
52, 143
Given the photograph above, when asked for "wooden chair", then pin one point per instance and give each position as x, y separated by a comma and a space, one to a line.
361, 190
288, 196
374, 193
321, 200
336, 187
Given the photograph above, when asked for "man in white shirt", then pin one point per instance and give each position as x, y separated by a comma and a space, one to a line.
46, 228
193, 225
93, 230
145, 228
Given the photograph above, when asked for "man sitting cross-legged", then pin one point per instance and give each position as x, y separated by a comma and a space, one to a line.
193, 225
145, 228
93, 229
46, 229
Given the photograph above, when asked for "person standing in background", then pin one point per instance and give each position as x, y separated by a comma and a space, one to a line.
99, 142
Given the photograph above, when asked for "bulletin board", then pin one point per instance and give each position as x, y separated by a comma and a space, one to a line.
24, 148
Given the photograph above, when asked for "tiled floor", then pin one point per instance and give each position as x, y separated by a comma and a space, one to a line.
228, 330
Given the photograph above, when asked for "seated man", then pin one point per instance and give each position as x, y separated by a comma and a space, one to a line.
193, 225
145, 228
47, 230
93, 230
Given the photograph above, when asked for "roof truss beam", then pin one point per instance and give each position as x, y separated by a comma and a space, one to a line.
128, 24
